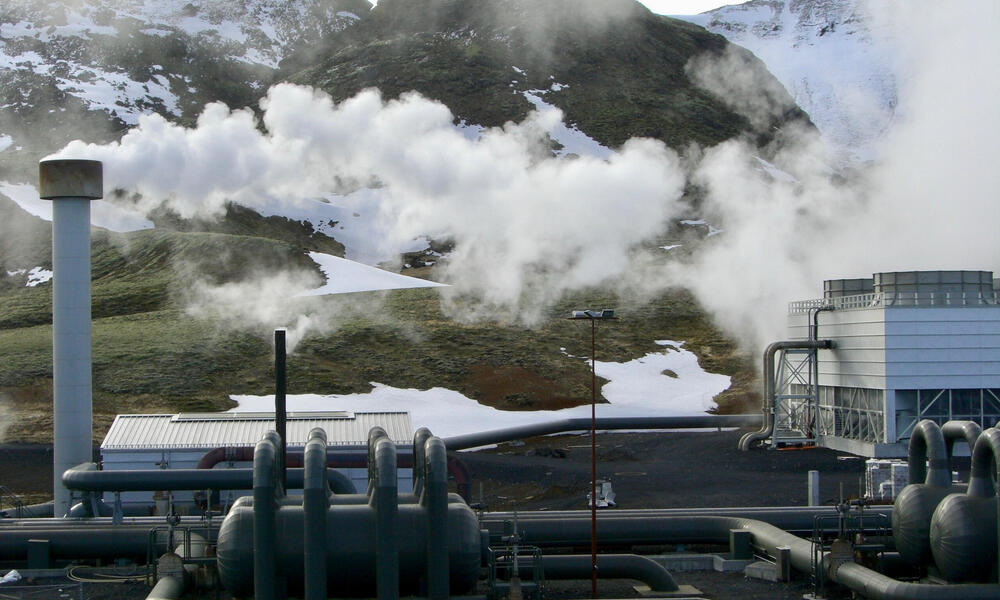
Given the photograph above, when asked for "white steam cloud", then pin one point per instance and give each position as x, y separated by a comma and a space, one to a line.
529, 227
929, 203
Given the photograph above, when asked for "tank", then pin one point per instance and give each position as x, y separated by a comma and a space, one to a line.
911, 520
964, 538
350, 559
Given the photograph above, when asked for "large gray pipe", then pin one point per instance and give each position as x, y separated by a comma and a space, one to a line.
653, 526
963, 530
83, 478
767, 405
495, 436
930, 482
716, 530
384, 494
71, 185
266, 491
609, 566
967, 431
167, 588
434, 498
315, 503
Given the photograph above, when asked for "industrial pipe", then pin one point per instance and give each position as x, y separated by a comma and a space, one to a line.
915, 505
384, 497
496, 436
434, 498
336, 459
716, 530
266, 490
315, 503
968, 431
641, 526
82, 478
71, 185
167, 588
609, 566
767, 405
963, 529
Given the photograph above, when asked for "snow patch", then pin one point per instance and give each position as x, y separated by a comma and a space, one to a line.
637, 388
345, 276
102, 213
5, 142
38, 275
572, 139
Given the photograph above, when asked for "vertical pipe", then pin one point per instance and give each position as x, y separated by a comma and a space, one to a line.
315, 503
71, 185
385, 497
435, 501
419, 468
264, 519
279, 401
593, 458
813, 488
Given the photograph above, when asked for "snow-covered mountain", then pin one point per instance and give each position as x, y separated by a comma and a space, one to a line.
833, 56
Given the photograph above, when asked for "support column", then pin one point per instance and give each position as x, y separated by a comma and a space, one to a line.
71, 185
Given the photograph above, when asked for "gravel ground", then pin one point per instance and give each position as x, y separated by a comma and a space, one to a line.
648, 470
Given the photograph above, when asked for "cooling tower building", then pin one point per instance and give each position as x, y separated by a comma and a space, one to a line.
905, 346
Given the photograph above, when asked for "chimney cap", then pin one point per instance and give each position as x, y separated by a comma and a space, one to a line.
70, 178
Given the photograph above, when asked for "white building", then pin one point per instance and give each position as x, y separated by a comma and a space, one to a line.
907, 346
180, 441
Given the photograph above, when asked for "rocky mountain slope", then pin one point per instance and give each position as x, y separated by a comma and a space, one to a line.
91, 69
833, 56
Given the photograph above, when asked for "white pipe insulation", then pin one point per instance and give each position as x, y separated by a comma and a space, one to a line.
71, 185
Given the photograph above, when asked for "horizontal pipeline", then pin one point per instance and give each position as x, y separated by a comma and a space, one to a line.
495, 436
151, 480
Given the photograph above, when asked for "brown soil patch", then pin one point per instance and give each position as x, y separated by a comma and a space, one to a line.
516, 388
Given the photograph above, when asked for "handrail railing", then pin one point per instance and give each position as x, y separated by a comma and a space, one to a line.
908, 299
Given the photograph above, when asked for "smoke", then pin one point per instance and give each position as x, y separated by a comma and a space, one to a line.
928, 203
528, 227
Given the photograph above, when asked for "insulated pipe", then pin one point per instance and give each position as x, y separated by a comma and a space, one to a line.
767, 405
985, 457
383, 493
337, 459
280, 412
609, 566
265, 494
495, 436
768, 538
434, 498
928, 455
968, 431
167, 588
71, 540
71, 185
315, 503
82, 478
630, 527
420, 437
915, 505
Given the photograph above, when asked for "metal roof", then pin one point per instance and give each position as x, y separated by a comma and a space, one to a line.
212, 430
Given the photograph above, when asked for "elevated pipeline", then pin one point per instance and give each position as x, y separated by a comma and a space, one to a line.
767, 404
82, 478
496, 436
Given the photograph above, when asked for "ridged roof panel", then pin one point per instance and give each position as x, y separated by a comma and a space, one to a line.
212, 430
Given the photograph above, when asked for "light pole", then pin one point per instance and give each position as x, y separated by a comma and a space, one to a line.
593, 316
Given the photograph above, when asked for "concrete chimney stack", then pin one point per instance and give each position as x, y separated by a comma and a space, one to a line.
71, 185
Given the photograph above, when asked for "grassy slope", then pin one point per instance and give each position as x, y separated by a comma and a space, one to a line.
150, 356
